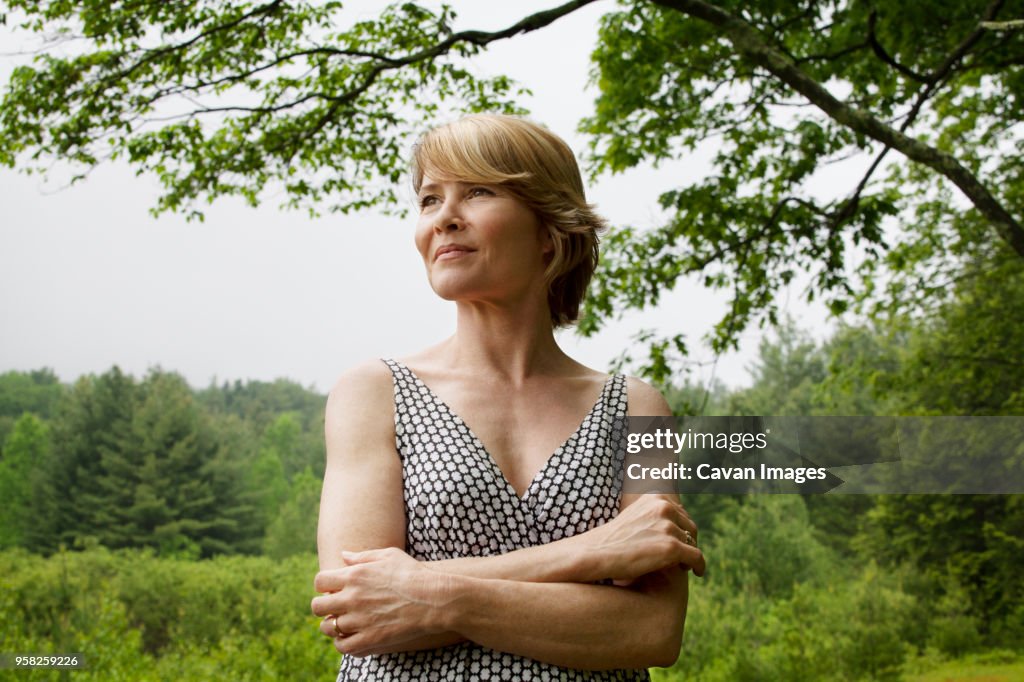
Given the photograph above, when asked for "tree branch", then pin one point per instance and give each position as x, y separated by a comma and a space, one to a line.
933, 80
1012, 25
832, 55
754, 47
961, 50
150, 55
383, 63
881, 53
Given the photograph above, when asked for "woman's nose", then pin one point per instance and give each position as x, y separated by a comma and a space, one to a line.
448, 220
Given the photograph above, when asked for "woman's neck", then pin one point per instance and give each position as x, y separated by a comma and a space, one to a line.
515, 342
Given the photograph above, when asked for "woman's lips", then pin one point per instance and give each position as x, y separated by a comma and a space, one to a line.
451, 253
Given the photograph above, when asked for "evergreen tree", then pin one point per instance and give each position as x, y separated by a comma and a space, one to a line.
186, 496
141, 465
92, 418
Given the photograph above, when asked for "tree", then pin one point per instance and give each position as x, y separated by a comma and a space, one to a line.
964, 359
24, 452
138, 464
262, 402
220, 98
93, 416
784, 376
294, 529
267, 483
284, 437
671, 80
283, 416
36, 391
153, 490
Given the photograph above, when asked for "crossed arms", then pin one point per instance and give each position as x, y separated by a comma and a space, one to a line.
536, 602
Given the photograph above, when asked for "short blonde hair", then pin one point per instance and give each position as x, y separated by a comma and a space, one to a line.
537, 167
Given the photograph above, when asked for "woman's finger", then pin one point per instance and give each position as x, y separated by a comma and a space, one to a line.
329, 581
351, 645
684, 533
329, 627
690, 527
688, 552
694, 560
326, 604
683, 520
349, 623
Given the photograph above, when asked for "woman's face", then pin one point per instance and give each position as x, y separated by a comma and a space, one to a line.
479, 242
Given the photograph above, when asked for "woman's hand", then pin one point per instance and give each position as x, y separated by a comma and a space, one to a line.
380, 598
648, 535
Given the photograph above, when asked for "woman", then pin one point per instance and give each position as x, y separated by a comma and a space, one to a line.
485, 547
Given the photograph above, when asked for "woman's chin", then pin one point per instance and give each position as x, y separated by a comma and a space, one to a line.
448, 293
453, 288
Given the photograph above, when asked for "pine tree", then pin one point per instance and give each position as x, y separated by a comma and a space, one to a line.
92, 418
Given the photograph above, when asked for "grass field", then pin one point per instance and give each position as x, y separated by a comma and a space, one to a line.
972, 670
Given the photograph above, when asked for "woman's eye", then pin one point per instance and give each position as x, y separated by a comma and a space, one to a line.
480, 191
428, 200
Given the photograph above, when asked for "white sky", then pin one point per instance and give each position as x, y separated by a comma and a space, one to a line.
89, 279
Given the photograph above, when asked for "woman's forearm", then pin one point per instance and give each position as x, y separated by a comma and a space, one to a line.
390, 602
565, 560
569, 560
554, 562
594, 627
650, 534
574, 625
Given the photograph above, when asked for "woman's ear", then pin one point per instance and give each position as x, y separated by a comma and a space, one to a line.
547, 243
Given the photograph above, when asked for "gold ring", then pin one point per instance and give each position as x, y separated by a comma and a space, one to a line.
688, 539
337, 632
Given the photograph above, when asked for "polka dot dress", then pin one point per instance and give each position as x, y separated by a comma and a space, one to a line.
458, 504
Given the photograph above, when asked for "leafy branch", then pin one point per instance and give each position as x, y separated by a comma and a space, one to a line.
748, 41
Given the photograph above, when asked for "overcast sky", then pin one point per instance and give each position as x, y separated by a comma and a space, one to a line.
89, 279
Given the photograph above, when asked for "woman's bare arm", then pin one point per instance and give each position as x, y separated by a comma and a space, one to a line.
390, 600
362, 509
595, 627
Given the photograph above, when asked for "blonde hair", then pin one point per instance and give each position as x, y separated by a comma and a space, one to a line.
537, 167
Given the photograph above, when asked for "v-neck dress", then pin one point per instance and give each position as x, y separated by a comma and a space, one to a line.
459, 504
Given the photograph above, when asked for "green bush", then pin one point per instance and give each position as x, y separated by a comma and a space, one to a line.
778, 605
138, 617
766, 546
954, 630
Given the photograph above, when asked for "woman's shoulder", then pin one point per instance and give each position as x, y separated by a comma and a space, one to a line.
367, 384
645, 400
359, 416
368, 374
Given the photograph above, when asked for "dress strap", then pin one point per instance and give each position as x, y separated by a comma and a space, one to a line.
616, 403
405, 382
405, 394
